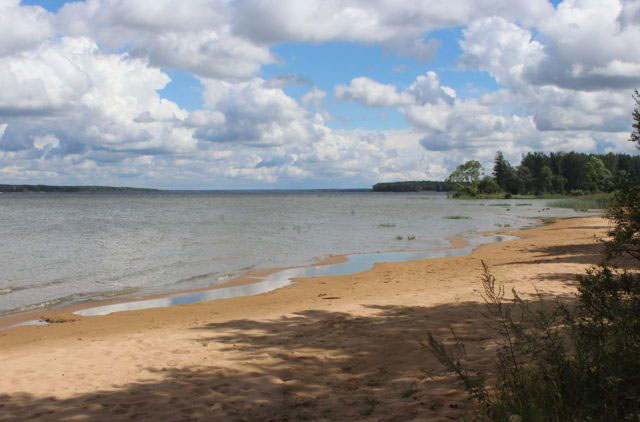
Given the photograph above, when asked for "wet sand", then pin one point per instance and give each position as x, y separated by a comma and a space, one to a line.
341, 348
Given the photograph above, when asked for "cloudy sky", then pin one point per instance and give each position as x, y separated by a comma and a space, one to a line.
242, 94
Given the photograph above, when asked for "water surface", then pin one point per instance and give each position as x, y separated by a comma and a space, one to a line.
68, 248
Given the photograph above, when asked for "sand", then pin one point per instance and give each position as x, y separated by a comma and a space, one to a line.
343, 348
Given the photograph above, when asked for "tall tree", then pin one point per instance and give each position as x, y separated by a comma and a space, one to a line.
544, 181
500, 170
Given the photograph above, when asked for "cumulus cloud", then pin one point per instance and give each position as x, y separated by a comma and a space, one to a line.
85, 99
371, 93
23, 27
221, 39
195, 36
425, 89
79, 89
582, 46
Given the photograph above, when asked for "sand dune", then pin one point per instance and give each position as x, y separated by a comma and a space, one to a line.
340, 348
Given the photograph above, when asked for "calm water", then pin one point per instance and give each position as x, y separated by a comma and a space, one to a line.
66, 248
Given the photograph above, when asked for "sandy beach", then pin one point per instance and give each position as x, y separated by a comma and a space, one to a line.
342, 348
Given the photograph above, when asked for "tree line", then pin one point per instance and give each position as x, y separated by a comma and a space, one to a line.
538, 173
66, 189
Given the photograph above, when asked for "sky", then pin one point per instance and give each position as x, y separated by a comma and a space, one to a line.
291, 94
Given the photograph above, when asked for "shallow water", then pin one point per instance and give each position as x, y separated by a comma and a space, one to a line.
68, 248
283, 278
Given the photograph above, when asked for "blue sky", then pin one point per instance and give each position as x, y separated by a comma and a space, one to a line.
328, 64
320, 93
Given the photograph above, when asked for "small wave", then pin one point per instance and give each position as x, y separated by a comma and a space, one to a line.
73, 298
196, 277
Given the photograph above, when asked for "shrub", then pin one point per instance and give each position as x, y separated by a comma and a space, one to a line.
560, 364
624, 213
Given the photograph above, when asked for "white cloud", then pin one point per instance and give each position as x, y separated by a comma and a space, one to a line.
581, 46
426, 89
371, 93
22, 27
313, 97
500, 48
79, 89
195, 36
221, 39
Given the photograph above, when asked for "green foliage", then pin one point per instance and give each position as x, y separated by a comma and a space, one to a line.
561, 363
488, 185
413, 186
544, 181
555, 363
500, 169
550, 174
468, 173
589, 202
625, 215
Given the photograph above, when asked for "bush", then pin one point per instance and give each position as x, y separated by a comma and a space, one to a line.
488, 185
624, 213
560, 364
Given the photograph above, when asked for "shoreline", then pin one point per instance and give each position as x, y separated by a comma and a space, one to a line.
68, 312
326, 344
64, 316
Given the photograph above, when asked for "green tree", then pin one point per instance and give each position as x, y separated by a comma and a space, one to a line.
597, 177
624, 213
526, 179
501, 169
468, 173
544, 182
559, 183
488, 185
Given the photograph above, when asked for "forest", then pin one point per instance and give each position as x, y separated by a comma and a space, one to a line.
541, 173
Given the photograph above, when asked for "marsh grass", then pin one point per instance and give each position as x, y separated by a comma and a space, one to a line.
584, 203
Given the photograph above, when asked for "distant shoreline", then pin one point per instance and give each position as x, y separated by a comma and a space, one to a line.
53, 188
9, 188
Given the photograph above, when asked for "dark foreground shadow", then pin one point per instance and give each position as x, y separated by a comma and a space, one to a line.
310, 366
578, 254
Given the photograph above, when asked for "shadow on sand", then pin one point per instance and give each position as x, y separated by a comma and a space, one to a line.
313, 365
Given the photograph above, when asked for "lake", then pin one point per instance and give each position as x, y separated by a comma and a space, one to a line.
68, 248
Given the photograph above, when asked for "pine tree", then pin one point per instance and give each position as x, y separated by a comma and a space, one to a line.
500, 170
